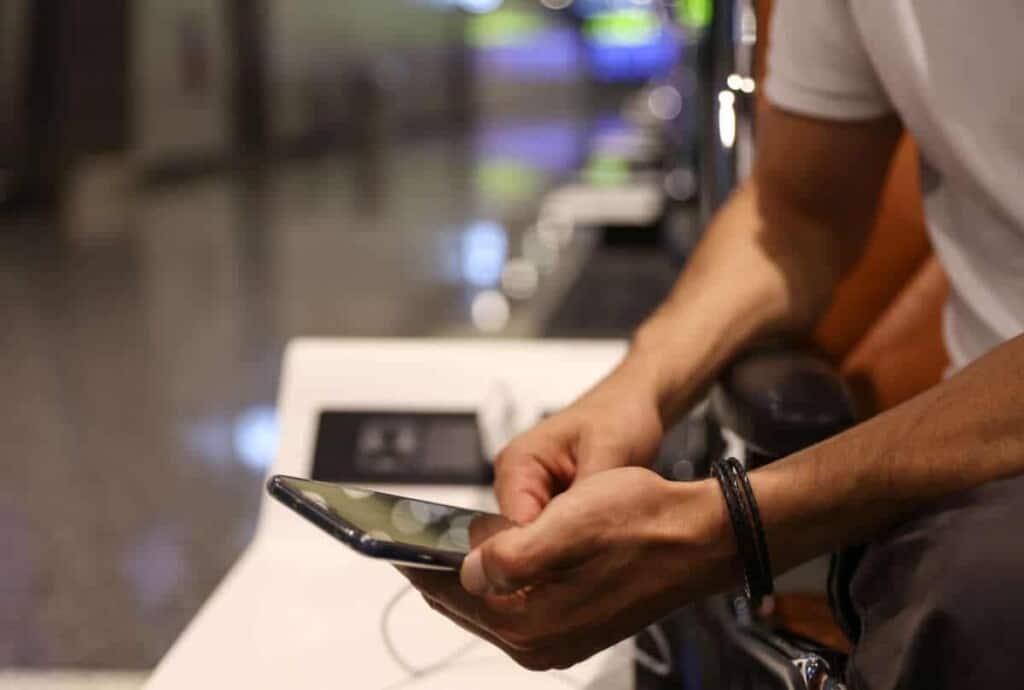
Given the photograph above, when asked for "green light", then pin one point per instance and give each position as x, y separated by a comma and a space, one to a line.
502, 28
622, 27
607, 170
506, 181
695, 14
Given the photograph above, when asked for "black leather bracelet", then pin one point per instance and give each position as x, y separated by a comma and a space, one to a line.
746, 522
745, 547
767, 584
764, 585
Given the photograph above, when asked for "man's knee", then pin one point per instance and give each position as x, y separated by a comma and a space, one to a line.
980, 587
941, 599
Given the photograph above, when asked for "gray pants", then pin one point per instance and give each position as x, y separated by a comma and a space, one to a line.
941, 599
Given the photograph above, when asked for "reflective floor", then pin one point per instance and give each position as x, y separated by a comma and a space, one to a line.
139, 358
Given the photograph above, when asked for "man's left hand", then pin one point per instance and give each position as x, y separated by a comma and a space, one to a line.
614, 553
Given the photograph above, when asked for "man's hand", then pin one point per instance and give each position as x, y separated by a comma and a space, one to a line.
604, 560
604, 551
616, 424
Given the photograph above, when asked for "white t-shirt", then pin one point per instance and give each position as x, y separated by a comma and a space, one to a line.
954, 72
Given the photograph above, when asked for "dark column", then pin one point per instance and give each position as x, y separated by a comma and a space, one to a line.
74, 91
12, 39
249, 25
38, 170
94, 77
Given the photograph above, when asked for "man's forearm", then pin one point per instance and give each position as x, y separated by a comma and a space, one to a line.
773, 255
967, 431
747, 279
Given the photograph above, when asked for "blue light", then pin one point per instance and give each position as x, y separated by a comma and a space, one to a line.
484, 248
588, 8
550, 145
256, 436
479, 6
474, 6
548, 55
612, 62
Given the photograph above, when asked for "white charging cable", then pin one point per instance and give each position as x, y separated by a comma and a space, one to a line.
661, 667
411, 669
501, 416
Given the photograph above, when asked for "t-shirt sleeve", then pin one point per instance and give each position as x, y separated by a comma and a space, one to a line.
818, 65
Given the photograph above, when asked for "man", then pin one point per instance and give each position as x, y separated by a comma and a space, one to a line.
606, 547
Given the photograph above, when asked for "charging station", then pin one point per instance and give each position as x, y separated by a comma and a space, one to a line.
300, 609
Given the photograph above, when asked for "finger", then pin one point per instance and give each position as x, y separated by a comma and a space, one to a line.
595, 455
519, 557
467, 623
529, 658
532, 469
429, 581
523, 486
492, 612
493, 618
558, 656
483, 527
443, 586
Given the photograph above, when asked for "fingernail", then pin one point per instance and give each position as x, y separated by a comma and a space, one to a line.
474, 580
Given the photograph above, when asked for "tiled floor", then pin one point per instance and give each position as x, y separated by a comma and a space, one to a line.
139, 369
139, 353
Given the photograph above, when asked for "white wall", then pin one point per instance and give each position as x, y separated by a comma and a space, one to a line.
178, 117
315, 45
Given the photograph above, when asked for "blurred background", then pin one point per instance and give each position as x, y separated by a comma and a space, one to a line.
185, 186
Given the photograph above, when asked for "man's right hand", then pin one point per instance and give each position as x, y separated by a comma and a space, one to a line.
616, 424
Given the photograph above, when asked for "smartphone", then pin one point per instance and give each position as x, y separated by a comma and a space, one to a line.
404, 531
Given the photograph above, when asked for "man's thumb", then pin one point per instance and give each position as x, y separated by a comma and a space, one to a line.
504, 563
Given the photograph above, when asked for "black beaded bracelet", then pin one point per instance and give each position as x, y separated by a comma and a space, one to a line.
746, 522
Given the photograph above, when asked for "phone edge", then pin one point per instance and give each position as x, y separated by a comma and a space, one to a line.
357, 539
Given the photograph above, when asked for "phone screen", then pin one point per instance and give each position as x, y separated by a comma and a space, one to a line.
389, 518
